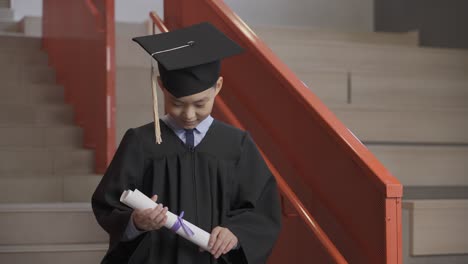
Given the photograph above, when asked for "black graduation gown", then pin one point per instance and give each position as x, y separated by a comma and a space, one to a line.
223, 181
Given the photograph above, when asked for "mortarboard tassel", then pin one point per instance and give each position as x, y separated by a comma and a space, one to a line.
157, 128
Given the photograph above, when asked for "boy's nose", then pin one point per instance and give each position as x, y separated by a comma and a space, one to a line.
189, 114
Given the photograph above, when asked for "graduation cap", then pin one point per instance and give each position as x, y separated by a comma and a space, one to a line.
189, 60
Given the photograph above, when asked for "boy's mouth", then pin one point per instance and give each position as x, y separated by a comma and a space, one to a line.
188, 124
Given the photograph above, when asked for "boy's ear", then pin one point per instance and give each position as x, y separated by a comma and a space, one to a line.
219, 85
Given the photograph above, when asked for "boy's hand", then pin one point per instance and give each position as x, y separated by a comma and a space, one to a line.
150, 219
222, 240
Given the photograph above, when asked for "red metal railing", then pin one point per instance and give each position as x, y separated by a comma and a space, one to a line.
79, 38
351, 195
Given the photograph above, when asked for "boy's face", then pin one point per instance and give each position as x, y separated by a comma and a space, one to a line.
189, 111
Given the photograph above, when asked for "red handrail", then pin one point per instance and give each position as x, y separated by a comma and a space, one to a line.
335, 176
158, 22
97, 16
283, 186
80, 41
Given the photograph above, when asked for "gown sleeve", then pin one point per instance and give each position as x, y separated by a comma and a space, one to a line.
125, 172
255, 216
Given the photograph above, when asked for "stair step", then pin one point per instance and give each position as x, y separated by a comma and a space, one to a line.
20, 53
20, 42
80, 188
370, 57
46, 254
5, 3
437, 227
72, 223
127, 53
10, 58
31, 93
41, 137
399, 90
16, 67
45, 161
49, 188
35, 188
420, 72
430, 166
31, 26
53, 248
435, 192
40, 115
130, 30
275, 34
376, 124
130, 54
21, 75
138, 79
331, 86
6, 13
9, 26
334, 86
132, 116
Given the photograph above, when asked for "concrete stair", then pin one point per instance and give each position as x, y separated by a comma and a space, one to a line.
61, 233
23, 42
24, 136
337, 86
49, 188
47, 177
270, 34
133, 87
7, 23
73, 254
434, 231
9, 26
72, 223
350, 55
24, 60
405, 90
373, 124
425, 166
409, 105
31, 26
45, 160
5, 4
6, 13
40, 115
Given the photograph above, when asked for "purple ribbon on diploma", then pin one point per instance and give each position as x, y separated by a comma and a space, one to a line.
180, 223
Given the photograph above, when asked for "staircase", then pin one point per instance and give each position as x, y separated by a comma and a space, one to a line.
7, 24
409, 106
406, 103
59, 179
46, 175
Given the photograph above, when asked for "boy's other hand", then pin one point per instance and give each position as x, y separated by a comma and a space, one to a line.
222, 240
150, 219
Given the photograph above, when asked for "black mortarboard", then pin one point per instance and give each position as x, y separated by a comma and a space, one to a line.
189, 60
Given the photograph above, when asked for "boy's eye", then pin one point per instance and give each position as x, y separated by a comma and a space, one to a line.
199, 105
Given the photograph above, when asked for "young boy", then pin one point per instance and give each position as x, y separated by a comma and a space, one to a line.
209, 170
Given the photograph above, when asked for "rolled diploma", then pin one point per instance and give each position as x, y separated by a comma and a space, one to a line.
137, 200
